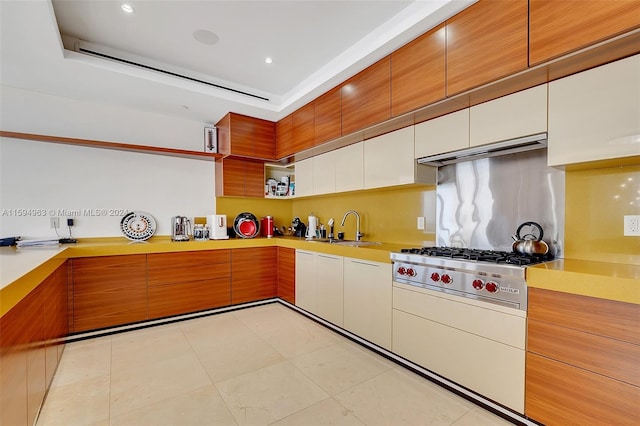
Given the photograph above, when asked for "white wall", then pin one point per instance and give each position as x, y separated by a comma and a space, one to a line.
52, 177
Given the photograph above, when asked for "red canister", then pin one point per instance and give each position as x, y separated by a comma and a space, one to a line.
266, 226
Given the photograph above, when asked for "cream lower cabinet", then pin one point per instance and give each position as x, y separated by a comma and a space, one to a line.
306, 296
329, 288
319, 285
367, 300
472, 343
595, 115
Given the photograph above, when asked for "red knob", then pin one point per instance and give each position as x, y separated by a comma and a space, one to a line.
435, 277
402, 270
492, 287
478, 284
411, 272
447, 279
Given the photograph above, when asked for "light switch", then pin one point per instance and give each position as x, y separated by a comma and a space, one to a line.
421, 222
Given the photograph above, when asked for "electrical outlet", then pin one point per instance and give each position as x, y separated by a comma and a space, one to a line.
54, 222
632, 225
420, 222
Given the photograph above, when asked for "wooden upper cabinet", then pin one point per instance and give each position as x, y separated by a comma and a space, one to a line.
418, 72
486, 42
560, 27
366, 97
303, 128
328, 116
246, 136
284, 137
239, 177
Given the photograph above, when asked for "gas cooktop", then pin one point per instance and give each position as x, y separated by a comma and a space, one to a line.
490, 256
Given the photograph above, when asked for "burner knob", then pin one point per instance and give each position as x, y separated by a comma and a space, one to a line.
402, 270
447, 279
411, 272
435, 277
492, 287
478, 284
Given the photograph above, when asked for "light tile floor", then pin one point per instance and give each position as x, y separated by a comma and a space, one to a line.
257, 366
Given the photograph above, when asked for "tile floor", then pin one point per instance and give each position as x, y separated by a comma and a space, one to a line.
266, 365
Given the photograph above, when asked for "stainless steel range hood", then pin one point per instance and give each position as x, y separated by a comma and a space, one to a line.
511, 146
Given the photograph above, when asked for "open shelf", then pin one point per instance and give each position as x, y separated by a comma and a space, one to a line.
172, 152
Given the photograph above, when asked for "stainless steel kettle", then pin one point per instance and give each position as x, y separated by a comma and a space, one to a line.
529, 244
180, 228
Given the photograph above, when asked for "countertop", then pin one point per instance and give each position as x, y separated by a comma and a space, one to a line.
613, 281
21, 270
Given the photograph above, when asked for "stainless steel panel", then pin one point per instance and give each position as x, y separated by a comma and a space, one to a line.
480, 203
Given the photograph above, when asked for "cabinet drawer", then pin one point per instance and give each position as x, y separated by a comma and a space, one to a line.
609, 357
608, 318
559, 394
185, 297
167, 268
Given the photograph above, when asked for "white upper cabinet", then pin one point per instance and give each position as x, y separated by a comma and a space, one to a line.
324, 173
389, 160
304, 177
349, 164
595, 115
443, 134
520, 114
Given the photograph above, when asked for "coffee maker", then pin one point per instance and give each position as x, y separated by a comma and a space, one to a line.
180, 228
217, 224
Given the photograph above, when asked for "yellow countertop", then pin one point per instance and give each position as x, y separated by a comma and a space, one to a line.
21, 270
613, 281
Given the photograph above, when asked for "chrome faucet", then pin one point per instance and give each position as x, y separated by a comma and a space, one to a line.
358, 233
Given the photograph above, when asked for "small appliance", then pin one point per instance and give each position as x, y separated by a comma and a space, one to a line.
246, 225
180, 228
266, 226
217, 224
312, 228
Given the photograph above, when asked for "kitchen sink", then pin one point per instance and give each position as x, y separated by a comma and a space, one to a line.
350, 243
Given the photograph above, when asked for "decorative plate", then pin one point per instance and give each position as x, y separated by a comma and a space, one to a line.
138, 226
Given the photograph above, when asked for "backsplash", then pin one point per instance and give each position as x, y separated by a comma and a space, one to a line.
596, 201
388, 215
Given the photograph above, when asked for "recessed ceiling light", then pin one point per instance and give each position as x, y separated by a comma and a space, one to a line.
268, 60
126, 7
205, 37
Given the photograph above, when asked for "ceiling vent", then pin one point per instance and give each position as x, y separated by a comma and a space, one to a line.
511, 146
145, 63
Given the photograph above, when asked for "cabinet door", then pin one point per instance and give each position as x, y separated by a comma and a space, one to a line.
329, 288
593, 115
108, 291
303, 128
306, 281
284, 137
485, 42
366, 97
186, 282
287, 274
239, 177
254, 180
418, 72
367, 300
253, 274
328, 117
521, 114
560, 27
349, 167
264, 139
443, 134
324, 173
304, 177
389, 159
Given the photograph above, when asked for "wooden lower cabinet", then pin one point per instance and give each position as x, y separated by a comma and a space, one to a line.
186, 282
29, 350
108, 291
254, 274
582, 364
287, 274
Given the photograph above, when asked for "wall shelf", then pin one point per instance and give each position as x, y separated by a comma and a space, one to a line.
146, 149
